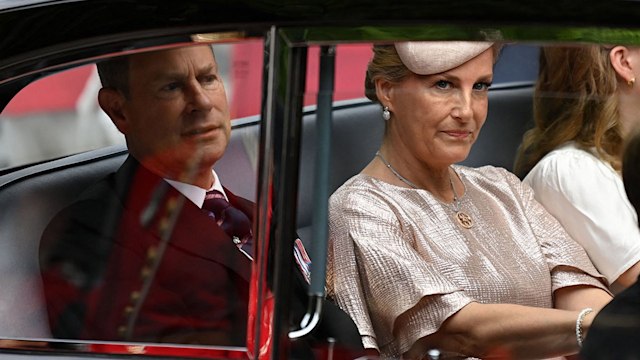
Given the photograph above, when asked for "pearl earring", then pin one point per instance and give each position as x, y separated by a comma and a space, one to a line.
631, 82
386, 114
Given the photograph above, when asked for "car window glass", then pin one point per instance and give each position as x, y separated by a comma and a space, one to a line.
55, 116
58, 116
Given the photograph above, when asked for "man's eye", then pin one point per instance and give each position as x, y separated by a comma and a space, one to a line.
443, 84
209, 80
171, 86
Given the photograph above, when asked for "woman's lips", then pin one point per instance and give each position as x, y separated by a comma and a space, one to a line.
459, 134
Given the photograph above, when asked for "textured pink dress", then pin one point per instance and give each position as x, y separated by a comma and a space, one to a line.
400, 264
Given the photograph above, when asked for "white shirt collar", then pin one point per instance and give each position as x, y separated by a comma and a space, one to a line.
196, 194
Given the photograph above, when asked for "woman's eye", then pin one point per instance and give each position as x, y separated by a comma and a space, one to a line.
481, 86
443, 84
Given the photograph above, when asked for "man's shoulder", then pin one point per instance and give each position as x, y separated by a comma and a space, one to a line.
84, 215
104, 194
94, 200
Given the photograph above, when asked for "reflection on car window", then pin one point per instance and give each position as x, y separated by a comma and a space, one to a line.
115, 262
59, 115
55, 116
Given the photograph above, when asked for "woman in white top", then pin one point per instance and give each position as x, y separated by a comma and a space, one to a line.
586, 102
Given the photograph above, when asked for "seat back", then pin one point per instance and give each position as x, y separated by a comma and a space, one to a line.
30, 197
356, 133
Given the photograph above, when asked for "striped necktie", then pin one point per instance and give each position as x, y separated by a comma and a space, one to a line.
233, 221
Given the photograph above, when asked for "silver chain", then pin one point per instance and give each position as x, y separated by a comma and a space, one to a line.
405, 180
456, 200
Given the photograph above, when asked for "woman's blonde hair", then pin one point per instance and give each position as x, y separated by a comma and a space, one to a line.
385, 64
574, 100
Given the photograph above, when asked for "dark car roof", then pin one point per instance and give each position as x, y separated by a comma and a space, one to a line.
34, 24
48, 35
30, 25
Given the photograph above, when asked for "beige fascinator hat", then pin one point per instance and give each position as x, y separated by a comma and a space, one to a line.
433, 57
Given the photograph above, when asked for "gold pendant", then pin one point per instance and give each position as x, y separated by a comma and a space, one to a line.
464, 220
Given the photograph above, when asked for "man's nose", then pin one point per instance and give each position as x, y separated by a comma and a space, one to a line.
199, 98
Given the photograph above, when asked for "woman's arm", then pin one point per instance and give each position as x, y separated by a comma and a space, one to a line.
580, 297
628, 277
486, 330
505, 330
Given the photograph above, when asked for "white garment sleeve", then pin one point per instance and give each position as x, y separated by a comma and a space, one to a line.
587, 196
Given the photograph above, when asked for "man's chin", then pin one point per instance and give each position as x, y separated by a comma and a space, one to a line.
174, 164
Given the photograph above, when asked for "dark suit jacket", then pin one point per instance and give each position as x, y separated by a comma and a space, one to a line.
615, 332
133, 259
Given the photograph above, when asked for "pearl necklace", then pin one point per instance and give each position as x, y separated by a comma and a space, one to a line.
461, 217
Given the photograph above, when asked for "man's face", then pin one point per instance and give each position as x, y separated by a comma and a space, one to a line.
176, 117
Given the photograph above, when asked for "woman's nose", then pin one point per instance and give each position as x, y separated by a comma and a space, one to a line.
463, 109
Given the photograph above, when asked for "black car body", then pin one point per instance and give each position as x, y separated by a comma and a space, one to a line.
298, 157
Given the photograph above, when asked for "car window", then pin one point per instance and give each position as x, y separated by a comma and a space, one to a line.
58, 117
60, 113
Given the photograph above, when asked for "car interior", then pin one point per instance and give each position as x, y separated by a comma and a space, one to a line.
54, 184
31, 193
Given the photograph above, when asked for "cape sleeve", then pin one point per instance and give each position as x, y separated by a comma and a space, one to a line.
568, 262
375, 274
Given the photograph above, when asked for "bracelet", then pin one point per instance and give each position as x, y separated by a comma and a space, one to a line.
581, 316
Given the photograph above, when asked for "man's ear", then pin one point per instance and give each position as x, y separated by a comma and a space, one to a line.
624, 62
384, 92
112, 102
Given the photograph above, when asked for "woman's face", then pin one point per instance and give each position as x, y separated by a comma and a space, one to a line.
436, 118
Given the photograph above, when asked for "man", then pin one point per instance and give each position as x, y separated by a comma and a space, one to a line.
137, 257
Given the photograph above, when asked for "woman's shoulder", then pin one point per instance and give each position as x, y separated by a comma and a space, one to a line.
357, 182
491, 178
356, 187
570, 154
486, 173
569, 160
367, 191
